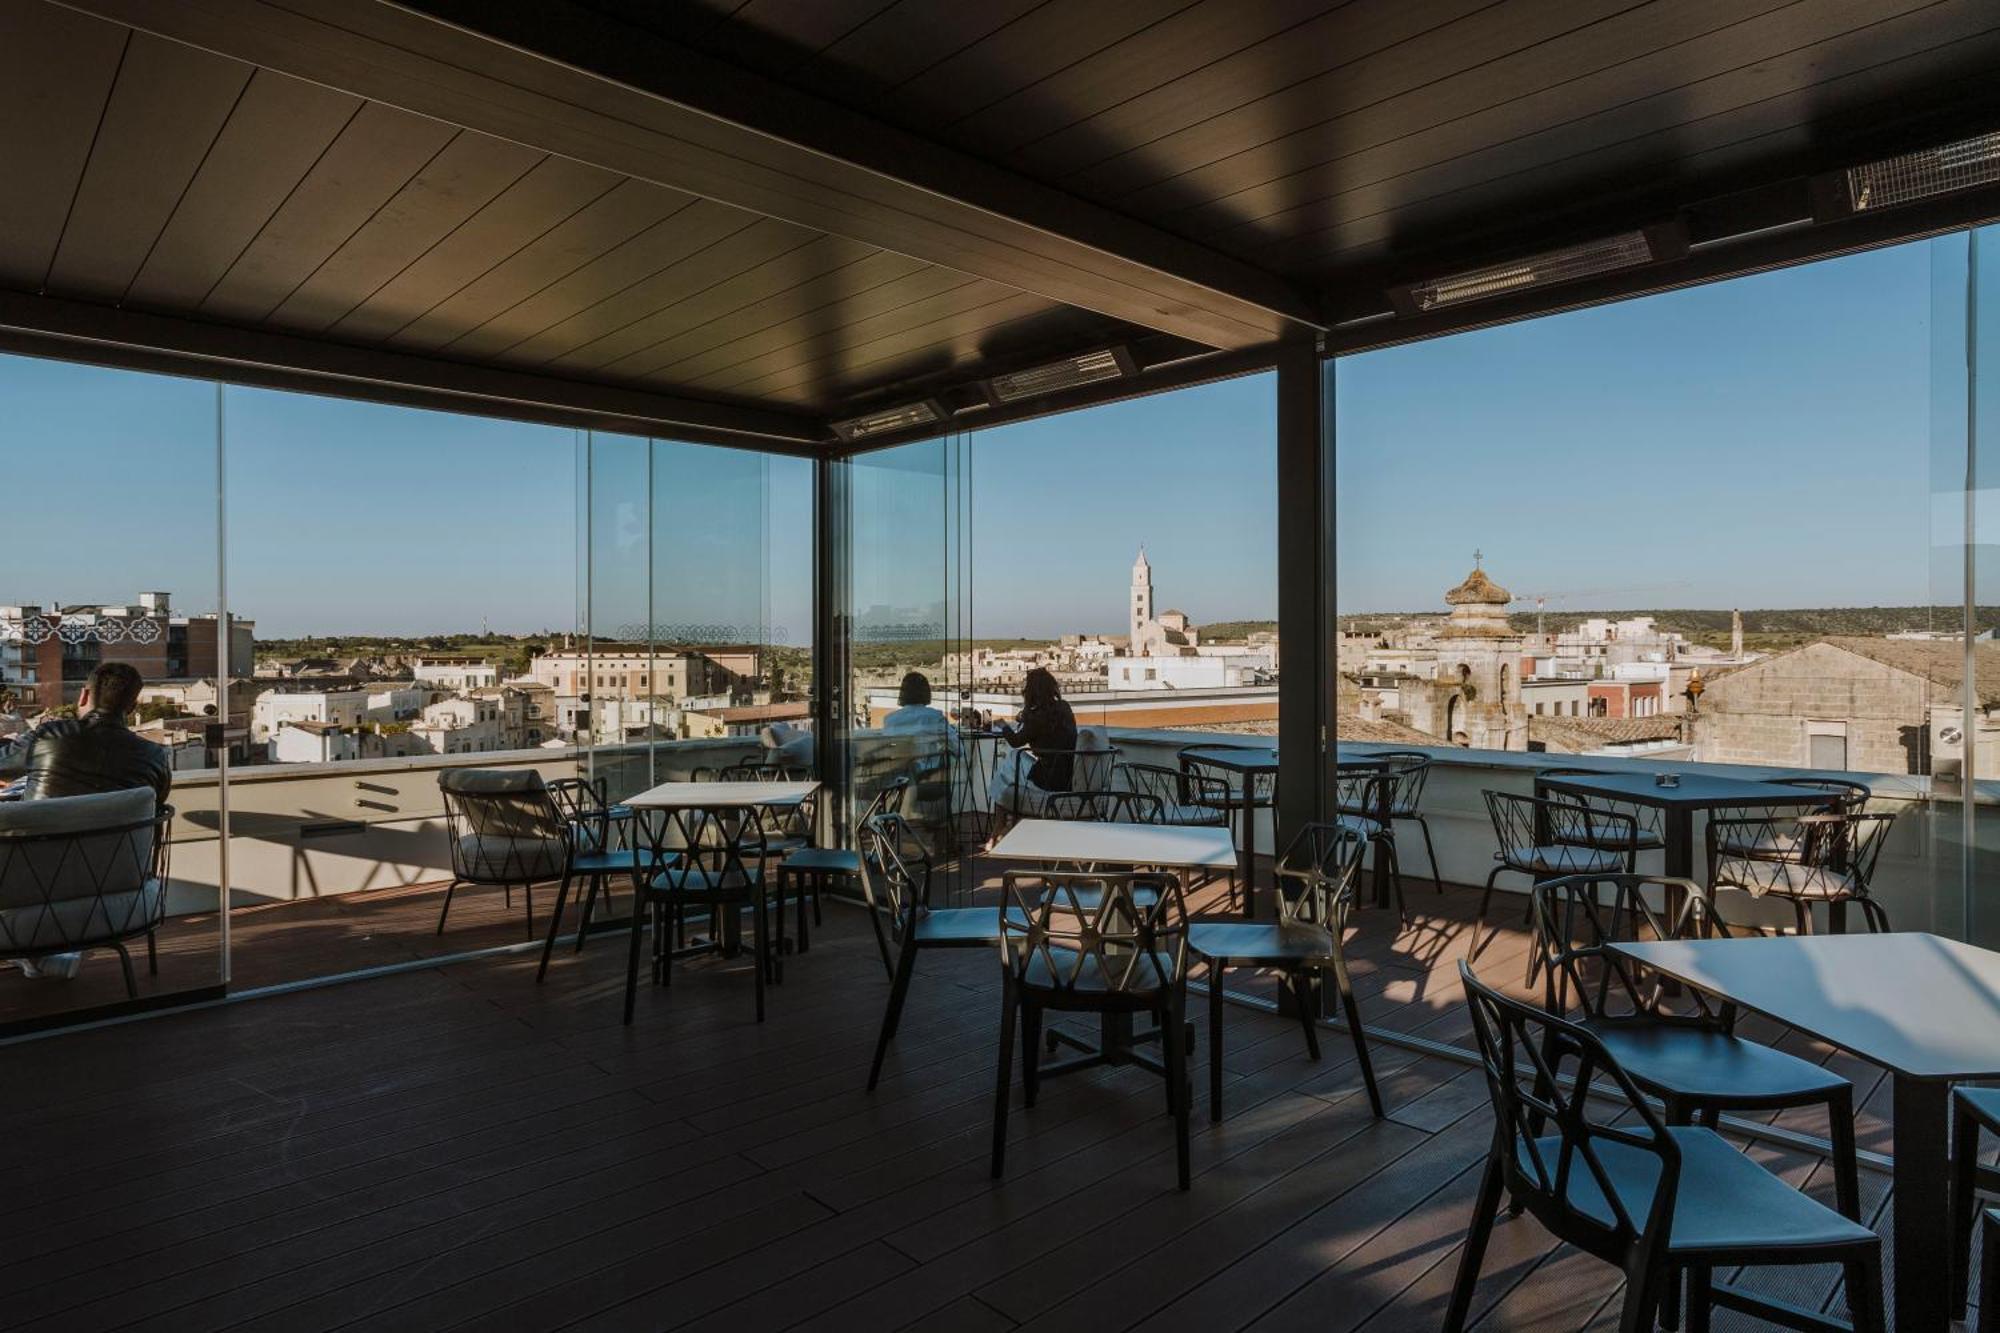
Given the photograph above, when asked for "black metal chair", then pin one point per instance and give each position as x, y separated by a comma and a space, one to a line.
1646, 831
1115, 807
1805, 859
896, 877
1546, 838
1408, 773
1973, 1110
1188, 799
1091, 944
1363, 801
1577, 1144
1315, 875
720, 867
807, 869
505, 830
84, 872
603, 845
1853, 797
1691, 1059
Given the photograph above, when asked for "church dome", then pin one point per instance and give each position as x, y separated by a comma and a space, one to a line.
1478, 590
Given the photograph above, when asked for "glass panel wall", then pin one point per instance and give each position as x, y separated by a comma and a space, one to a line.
111, 558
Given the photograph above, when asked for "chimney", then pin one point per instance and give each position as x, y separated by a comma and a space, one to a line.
1736, 634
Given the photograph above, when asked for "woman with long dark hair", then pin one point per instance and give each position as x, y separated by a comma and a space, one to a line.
1045, 731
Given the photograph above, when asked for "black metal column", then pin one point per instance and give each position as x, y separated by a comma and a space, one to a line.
1305, 621
829, 651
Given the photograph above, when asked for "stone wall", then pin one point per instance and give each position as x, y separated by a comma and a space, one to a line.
1758, 715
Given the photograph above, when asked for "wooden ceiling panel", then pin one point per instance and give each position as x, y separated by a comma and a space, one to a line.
726, 303
599, 227
466, 175
165, 111
1622, 151
375, 155
901, 42
554, 191
786, 315
278, 130
1566, 92
655, 250
56, 72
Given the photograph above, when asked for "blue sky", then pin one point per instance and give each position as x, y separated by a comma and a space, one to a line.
1756, 443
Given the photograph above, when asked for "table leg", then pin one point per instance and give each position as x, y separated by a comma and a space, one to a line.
1246, 853
1383, 804
1921, 1243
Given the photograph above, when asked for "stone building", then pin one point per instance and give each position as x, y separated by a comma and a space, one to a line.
1474, 698
1169, 634
1866, 705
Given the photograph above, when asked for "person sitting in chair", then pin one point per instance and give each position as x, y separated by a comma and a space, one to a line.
916, 717
93, 752
1045, 723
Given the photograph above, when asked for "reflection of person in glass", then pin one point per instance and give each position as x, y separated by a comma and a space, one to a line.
916, 717
95, 751
1045, 724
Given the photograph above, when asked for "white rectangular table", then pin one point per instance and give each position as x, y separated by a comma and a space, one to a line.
678, 798
1102, 843
1926, 1009
1108, 844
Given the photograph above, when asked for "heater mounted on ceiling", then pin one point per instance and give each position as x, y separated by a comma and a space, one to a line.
924, 412
1908, 178
1570, 263
1073, 372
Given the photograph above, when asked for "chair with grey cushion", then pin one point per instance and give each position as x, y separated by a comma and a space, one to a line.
505, 831
1821, 857
84, 872
1547, 838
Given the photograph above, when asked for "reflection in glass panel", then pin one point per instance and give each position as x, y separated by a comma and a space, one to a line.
409, 574
110, 559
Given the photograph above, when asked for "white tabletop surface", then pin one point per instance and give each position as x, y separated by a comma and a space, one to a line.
716, 795
1118, 844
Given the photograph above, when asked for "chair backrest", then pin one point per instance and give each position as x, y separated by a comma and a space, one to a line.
1186, 796
1579, 917
504, 825
78, 849
582, 802
1316, 874
1120, 807
895, 872
1853, 796
1408, 771
1261, 788
1649, 821
1362, 792
1093, 936
1521, 823
1757, 851
1548, 1136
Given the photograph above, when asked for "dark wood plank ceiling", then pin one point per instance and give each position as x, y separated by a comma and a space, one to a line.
1331, 145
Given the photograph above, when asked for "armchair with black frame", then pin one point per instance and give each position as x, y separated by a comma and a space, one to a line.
84, 872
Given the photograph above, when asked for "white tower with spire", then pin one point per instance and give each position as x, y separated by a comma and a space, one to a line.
1142, 600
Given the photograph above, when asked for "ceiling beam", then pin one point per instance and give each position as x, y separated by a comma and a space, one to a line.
556, 77
105, 335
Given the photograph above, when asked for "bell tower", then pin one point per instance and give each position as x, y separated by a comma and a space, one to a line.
1142, 598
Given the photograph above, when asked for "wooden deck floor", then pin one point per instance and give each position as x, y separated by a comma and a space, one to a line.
459, 1148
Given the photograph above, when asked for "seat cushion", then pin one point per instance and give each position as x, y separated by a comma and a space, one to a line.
1610, 833
1562, 859
1069, 972
1726, 1201
1360, 826
618, 862
1268, 942
71, 923
1705, 1064
494, 857
697, 881
824, 860
89, 861
964, 925
1786, 879
1761, 843
1203, 816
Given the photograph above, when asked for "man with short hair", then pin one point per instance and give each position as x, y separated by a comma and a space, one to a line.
95, 751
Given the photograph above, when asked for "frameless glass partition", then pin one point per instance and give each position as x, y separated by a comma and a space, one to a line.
111, 608
1726, 532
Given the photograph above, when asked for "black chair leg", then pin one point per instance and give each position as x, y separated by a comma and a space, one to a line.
1668, 1297
1430, 850
1964, 1175
152, 955
1700, 1298
131, 982
1005, 1082
632, 961
1031, 1036
1479, 921
1303, 996
762, 962
1644, 1285
1474, 1253
1846, 1171
1351, 1008
449, 889
528, 896
906, 966
555, 928
1864, 1295
1215, 969
808, 885
881, 938
589, 911
1989, 1273
1173, 1040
